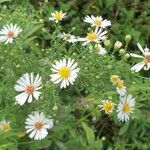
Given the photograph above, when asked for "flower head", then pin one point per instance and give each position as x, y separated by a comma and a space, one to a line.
57, 16
29, 87
107, 106
94, 36
4, 126
68, 37
98, 49
9, 32
64, 72
125, 107
114, 78
145, 63
97, 21
37, 125
121, 89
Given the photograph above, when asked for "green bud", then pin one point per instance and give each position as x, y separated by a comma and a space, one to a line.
128, 38
41, 21
107, 43
127, 56
117, 45
122, 51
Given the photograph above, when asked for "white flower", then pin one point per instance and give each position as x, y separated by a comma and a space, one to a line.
97, 21
68, 37
125, 107
57, 16
28, 85
121, 89
8, 32
97, 36
64, 72
4, 126
145, 63
98, 48
107, 106
37, 125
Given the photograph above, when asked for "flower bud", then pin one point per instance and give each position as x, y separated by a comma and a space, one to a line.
122, 51
107, 43
127, 56
117, 45
128, 38
41, 21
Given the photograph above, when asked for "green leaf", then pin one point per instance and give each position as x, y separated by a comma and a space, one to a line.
89, 133
2, 1
123, 129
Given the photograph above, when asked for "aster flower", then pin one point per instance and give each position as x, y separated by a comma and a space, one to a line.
57, 16
29, 87
68, 37
4, 126
9, 32
98, 49
97, 21
64, 72
37, 125
145, 63
125, 108
107, 106
121, 89
94, 36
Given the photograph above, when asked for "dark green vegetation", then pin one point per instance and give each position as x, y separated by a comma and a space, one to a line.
38, 46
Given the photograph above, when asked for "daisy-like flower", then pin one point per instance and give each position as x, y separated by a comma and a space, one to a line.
68, 37
37, 125
98, 49
64, 72
28, 85
121, 89
145, 63
4, 126
94, 36
107, 106
125, 108
97, 21
57, 16
114, 79
9, 32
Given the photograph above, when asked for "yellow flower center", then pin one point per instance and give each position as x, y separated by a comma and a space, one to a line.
147, 59
91, 36
10, 34
38, 125
58, 15
30, 89
114, 78
64, 72
120, 84
126, 108
5, 127
108, 106
97, 22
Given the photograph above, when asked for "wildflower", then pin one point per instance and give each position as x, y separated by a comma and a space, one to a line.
97, 21
68, 37
125, 108
8, 32
64, 72
114, 78
121, 89
98, 49
94, 36
37, 125
57, 16
4, 126
107, 106
28, 85
146, 59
